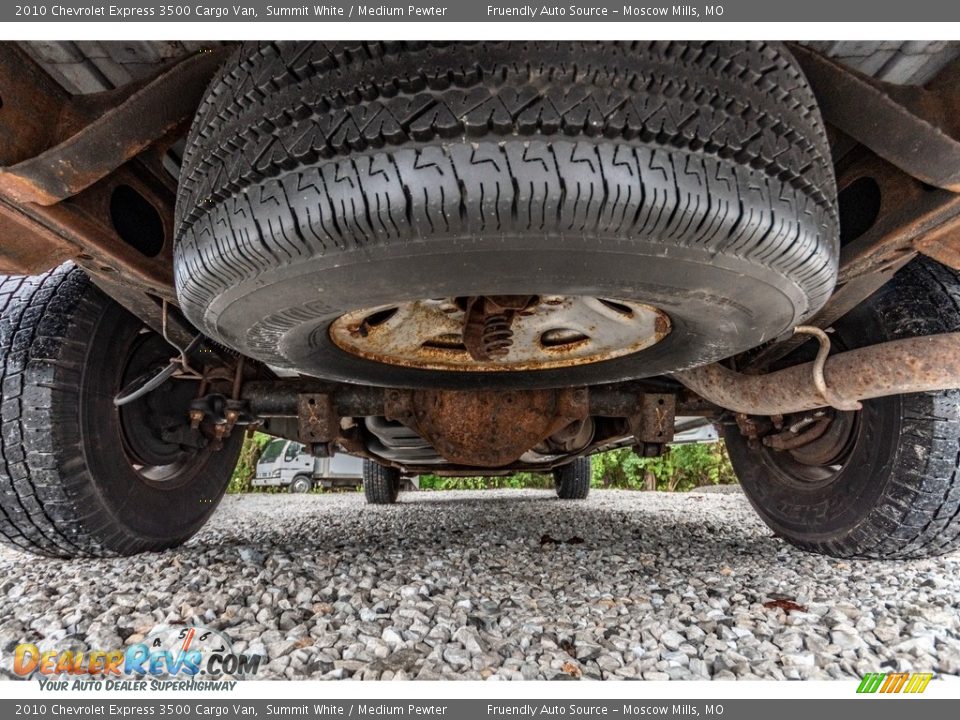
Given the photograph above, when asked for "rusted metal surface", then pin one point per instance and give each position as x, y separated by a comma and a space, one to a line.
792, 439
909, 213
318, 421
275, 403
622, 400
278, 398
817, 439
655, 418
31, 119
752, 427
943, 245
902, 366
557, 332
121, 125
28, 247
486, 324
39, 122
79, 229
827, 393
486, 428
33, 106
915, 128
815, 448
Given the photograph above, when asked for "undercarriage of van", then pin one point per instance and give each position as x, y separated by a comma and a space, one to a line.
470, 259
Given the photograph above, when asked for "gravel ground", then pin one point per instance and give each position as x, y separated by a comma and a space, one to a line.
503, 584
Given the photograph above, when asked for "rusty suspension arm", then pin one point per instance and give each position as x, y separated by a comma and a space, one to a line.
912, 365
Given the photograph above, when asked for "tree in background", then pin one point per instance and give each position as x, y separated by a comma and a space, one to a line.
246, 468
682, 467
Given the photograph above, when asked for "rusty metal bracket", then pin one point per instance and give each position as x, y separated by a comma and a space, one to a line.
318, 422
654, 421
791, 439
398, 406
119, 129
943, 245
915, 128
68, 157
830, 397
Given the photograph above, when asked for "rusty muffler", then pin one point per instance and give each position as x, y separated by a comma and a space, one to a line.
912, 365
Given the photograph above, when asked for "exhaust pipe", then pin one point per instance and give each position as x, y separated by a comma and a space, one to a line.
912, 365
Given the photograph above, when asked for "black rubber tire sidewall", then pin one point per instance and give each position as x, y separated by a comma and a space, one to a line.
821, 516
442, 268
298, 482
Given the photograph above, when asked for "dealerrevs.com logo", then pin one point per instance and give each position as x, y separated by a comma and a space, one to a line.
170, 658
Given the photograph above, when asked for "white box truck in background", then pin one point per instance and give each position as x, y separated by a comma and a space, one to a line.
287, 463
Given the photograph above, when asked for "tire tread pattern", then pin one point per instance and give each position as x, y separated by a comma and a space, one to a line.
302, 150
572, 481
381, 484
50, 502
45, 503
920, 512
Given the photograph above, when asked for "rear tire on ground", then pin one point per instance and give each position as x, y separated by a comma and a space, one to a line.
573, 481
301, 484
78, 476
892, 487
381, 484
320, 179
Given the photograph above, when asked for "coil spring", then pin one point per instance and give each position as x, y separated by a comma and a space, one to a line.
497, 337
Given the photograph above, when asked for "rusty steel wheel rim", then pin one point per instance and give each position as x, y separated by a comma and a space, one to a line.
554, 331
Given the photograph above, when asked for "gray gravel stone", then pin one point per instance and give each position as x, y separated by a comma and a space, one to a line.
671, 639
457, 585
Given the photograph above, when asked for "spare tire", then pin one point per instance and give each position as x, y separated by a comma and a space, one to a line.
658, 205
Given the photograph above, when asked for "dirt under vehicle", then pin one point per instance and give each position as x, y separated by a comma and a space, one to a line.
474, 259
